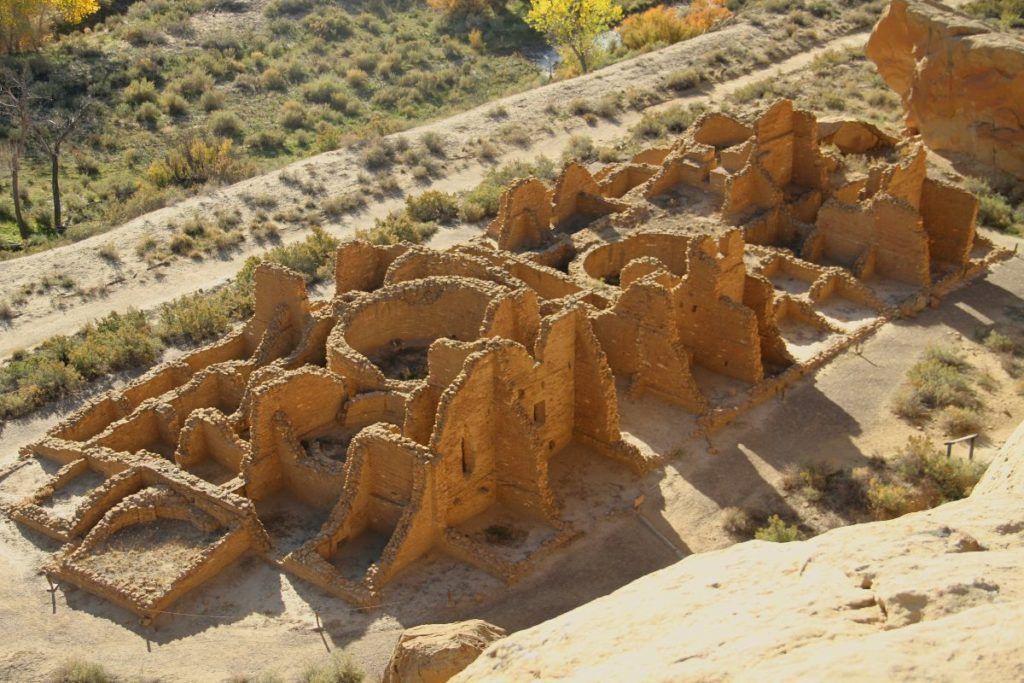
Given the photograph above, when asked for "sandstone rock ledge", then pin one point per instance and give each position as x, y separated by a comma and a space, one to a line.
936, 595
962, 84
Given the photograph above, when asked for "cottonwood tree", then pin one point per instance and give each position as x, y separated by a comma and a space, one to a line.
15, 104
25, 24
51, 134
573, 24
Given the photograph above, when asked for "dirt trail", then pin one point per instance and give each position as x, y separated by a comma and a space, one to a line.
134, 283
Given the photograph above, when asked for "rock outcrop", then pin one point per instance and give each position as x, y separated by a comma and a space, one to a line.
962, 84
932, 595
433, 653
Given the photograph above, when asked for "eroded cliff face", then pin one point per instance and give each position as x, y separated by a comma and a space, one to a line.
962, 84
937, 594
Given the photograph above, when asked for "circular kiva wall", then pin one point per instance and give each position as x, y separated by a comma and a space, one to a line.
606, 261
385, 336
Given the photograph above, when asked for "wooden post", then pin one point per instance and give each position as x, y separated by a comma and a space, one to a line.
52, 590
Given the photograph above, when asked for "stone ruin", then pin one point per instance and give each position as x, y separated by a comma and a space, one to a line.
427, 397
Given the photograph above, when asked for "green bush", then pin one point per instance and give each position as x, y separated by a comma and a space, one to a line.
777, 531
174, 104
322, 90
212, 100
61, 365
139, 91
148, 114
922, 464
433, 205
78, 671
339, 669
273, 79
193, 85
396, 227
943, 378
293, 115
226, 124
197, 161
482, 201
312, 257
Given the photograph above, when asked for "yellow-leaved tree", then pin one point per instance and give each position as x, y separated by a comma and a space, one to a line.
25, 23
573, 24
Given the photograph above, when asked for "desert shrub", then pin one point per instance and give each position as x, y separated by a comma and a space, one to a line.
78, 671
377, 154
999, 342
174, 104
280, 8
482, 201
109, 253
61, 365
738, 522
922, 464
958, 421
397, 226
433, 205
265, 142
339, 669
1009, 13
312, 257
196, 161
461, 8
433, 143
196, 318
777, 531
356, 78
226, 124
115, 342
273, 79
139, 91
329, 23
293, 115
943, 378
580, 148
891, 499
659, 25
338, 205
321, 90
212, 100
148, 114
684, 79
192, 85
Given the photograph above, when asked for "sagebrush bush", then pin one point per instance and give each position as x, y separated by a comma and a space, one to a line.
433, 205
139, 91
197, 161
79, 671
777, 531
226, 124
482, 201
339, 669
396, 227
943, 378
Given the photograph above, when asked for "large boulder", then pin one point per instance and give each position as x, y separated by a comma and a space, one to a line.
433, 653
962, 83
934, 595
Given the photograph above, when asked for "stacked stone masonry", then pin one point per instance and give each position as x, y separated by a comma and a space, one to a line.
435, 387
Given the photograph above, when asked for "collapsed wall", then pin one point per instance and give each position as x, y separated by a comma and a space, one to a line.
428, 396
962, 83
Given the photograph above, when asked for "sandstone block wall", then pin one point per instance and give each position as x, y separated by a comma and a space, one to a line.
434, 388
